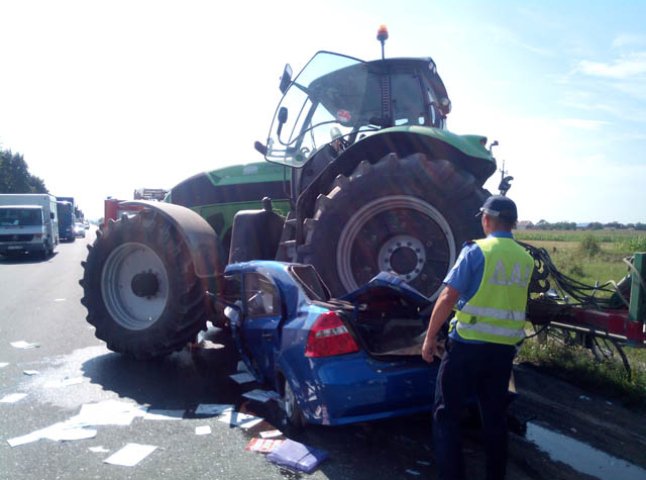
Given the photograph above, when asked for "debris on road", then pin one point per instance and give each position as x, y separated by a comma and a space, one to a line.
12, 397
3, 364
262, 396
98, 449
262, 445
242, 377
271, 434
130, 455
237, 419
24, 345
30, 372
213, 409
297, 456
203, 430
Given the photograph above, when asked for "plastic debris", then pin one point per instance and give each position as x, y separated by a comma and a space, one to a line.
130, 455
297, 456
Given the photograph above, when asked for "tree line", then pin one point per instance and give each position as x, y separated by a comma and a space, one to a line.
15, 176
545, 225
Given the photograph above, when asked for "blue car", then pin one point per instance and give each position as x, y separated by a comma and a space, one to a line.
333, 361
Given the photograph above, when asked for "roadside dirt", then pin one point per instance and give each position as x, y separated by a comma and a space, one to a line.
596, 420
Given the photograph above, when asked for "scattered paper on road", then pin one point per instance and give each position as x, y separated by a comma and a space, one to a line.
61, 431
262, 395
30, 372
3, 364
12, 397
24, 345
415, 473
203, 430
212, 408
237, 419
130, 455
108, 412
162, 414
242, 377
242, 367
271, 434
98, 449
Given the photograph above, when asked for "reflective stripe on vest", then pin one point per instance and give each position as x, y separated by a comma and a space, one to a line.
496, 313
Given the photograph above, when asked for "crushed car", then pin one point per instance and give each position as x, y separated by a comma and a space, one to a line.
332, 361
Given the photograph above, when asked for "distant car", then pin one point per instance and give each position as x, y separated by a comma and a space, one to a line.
332, 361
79, 229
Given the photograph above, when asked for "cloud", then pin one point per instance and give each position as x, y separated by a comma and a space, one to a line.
628, 40
626, 67
582, 123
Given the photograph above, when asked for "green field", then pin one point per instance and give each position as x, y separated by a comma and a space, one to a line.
592, 257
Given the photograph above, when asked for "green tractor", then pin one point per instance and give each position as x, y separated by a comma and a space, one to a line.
362, 177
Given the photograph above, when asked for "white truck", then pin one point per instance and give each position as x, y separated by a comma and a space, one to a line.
28, 224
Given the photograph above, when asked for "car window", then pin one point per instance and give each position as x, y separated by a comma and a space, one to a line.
261, 296
310, 280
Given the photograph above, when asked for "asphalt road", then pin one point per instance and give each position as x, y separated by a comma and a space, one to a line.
40, 303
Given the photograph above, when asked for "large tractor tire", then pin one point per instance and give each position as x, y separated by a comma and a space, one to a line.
140, 287
406, 215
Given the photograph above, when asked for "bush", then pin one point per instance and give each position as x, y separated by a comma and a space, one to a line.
589, 246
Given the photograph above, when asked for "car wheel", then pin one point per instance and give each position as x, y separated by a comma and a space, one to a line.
292, 415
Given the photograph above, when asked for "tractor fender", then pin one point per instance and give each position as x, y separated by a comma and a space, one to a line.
201, 240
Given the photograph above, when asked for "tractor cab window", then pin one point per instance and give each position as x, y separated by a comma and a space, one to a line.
261, 297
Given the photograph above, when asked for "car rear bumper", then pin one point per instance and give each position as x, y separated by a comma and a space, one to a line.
349, 390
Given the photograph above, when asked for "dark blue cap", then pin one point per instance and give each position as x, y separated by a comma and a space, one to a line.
500, 206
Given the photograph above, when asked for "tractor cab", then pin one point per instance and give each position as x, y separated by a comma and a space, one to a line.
337, 100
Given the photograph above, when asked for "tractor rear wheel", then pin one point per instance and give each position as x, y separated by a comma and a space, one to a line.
140, 289
407, 215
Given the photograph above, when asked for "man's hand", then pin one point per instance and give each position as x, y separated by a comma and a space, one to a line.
429, 349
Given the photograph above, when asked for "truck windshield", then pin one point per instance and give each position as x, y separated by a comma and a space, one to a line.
23, 217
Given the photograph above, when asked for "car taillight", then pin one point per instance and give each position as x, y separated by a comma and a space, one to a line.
329, 336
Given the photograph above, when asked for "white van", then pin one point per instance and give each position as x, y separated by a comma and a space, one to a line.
28, 224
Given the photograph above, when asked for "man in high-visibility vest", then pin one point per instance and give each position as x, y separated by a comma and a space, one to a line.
488, 288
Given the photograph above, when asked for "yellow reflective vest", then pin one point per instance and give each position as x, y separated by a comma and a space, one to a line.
496, 313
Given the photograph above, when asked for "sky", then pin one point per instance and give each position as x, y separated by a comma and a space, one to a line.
103, 97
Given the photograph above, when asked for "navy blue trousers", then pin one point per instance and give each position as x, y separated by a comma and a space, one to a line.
472, 371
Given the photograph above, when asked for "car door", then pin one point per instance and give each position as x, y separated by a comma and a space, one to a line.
259, 323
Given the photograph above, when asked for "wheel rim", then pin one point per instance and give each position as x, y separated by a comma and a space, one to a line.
134, 286
401, 234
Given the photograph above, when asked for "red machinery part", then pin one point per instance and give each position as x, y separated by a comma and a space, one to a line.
611, 323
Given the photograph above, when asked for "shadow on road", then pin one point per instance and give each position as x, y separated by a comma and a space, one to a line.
181, 380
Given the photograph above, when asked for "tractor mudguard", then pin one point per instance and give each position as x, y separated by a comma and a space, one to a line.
201, 240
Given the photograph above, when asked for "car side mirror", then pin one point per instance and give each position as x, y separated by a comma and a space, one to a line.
286, 78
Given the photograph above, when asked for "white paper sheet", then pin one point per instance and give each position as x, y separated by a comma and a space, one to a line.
271, 434
212, 408
237, 419
3, 364
98, 449
203, 430
30, 372
12, 397
242, 377
24, 345
261, 395
130, 455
